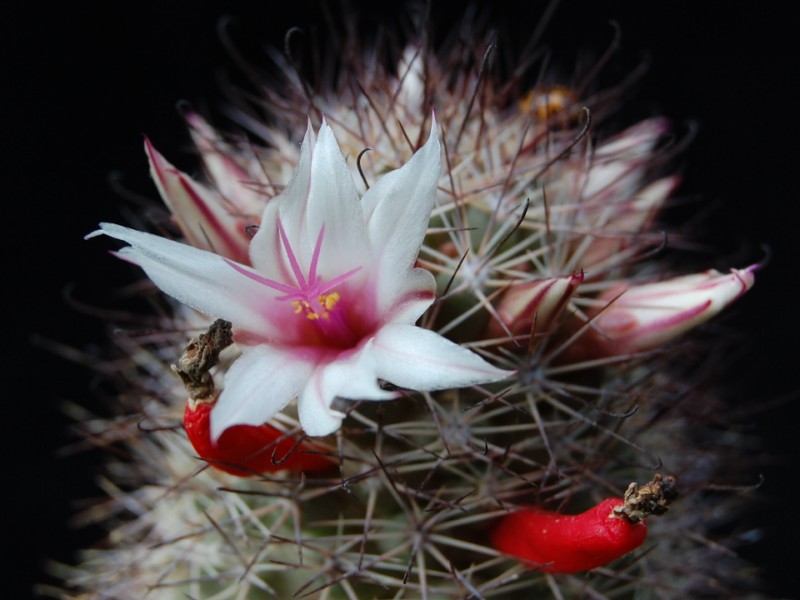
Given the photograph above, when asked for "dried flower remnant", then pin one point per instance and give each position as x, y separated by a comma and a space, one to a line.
243, 450
199, 357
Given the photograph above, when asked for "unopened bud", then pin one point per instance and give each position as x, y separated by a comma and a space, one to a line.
643, 317
533, 306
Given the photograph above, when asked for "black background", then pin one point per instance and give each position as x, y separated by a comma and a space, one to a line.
85, 83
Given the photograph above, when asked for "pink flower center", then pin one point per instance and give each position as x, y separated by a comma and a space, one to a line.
311, 297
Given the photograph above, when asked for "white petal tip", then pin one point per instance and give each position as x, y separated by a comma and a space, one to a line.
322, 424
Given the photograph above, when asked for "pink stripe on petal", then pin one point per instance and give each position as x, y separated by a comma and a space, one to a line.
233, 246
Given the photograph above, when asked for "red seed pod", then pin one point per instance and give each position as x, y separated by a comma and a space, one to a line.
568, 543
247, 450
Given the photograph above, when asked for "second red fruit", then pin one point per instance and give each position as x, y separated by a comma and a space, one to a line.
557, 543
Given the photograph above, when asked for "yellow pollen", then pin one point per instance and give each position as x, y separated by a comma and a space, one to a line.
329, 300
300, 306
326, 301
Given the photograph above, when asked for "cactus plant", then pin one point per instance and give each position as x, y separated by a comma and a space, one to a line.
549, 366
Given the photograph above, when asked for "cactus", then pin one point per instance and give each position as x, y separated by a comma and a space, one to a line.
544, 243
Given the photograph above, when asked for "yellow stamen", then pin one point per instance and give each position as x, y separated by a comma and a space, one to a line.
326, 301
329, 300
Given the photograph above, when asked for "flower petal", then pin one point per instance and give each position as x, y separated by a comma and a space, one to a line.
415, 292
333, 202
353, 377
398, 208
321, 193
266, 253
197, 278
258, 384
419, 359
314, 409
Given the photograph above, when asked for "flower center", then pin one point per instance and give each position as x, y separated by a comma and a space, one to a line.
325, 301
310, 296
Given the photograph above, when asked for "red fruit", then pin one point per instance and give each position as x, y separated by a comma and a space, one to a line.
247, 450
568, 543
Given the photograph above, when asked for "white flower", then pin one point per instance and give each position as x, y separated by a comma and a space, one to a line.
329, 305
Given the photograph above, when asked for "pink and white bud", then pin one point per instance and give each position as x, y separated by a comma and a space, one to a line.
205, 218
643, 317
624, 221
605, 199
616, 169
533, 306
243, 184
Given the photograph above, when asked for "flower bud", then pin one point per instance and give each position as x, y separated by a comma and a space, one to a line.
205, 218
643, 317
622, 222
533, 306
239, 179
